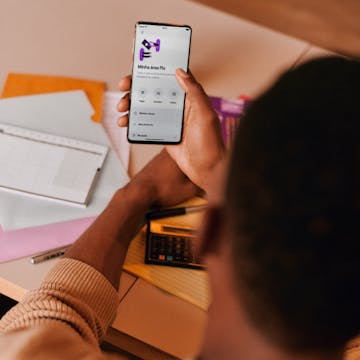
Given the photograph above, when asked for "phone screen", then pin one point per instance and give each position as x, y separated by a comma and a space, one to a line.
157, 101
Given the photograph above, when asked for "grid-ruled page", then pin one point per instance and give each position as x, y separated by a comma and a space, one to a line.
45, 165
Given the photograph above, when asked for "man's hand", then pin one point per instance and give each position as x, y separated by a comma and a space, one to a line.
202, 147
163, 183
104, 244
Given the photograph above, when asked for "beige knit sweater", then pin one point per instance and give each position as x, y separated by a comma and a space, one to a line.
67, 316
64, 319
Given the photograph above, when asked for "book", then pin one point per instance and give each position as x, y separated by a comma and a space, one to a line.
230, 112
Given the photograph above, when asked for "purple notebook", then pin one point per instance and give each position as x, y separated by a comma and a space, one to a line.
230, 113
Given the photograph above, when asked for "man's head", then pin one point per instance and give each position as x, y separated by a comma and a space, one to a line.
292, 208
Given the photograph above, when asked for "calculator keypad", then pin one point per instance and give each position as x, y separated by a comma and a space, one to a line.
171, 250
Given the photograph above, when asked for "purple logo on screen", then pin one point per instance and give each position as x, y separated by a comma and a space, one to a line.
148, 46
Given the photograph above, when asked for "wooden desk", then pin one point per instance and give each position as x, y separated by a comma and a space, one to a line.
93, 39
330, 24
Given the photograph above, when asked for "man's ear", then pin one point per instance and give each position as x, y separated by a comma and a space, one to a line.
211, 231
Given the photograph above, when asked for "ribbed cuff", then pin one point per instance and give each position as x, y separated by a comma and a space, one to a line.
87, 285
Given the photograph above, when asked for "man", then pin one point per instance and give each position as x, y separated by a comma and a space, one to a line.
280, 239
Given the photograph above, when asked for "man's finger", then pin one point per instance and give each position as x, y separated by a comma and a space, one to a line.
123, 120
123, 104
125, 83
192, 88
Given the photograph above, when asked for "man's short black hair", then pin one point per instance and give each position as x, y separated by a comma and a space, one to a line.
293, 204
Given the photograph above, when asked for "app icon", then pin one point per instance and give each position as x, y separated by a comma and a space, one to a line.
158, 93
142, 92
148, 46
173, 93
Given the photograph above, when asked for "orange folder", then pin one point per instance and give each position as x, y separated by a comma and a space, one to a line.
28, 84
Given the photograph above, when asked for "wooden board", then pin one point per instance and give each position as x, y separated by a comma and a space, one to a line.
332, 24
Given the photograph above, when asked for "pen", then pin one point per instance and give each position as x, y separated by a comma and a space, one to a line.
159, 214
54, 253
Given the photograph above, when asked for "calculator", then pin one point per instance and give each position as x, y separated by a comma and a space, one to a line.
171, 246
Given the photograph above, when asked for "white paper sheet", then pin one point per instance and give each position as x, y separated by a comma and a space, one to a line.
117, 135
64, 114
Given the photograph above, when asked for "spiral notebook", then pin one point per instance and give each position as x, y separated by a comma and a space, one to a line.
48, 166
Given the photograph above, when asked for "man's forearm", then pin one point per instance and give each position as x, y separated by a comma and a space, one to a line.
104, 244
73, 292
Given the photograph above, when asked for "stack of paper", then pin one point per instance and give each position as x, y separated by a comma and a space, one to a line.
31, 84
103, 103
64, 114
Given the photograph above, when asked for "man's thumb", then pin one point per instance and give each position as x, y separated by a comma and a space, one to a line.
191, 87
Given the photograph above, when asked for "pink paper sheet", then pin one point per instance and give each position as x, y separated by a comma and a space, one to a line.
28, 241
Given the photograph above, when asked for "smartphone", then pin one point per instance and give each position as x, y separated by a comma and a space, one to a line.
156, 112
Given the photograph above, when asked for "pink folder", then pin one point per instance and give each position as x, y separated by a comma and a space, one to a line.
28, 241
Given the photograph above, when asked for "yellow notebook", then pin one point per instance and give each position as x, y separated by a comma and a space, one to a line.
28, 84
190, 285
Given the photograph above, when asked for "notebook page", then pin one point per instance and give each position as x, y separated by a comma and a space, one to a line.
45, 165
